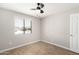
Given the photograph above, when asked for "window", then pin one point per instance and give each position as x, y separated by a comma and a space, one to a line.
23, 26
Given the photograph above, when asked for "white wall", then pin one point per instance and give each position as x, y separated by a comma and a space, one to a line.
55, 28
7, 37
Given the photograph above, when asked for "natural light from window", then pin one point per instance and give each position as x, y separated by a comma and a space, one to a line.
23, 26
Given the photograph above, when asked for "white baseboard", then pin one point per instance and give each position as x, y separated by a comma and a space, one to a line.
1, 51
60, 46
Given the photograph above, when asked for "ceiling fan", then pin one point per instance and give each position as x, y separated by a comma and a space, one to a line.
39, 7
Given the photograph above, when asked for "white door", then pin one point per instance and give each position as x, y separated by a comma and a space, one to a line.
74, 22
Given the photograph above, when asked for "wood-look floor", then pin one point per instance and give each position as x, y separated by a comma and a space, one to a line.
39, 48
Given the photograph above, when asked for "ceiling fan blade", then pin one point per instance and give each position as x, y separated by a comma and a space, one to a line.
38, 4
41, 11
38, 8
42, 5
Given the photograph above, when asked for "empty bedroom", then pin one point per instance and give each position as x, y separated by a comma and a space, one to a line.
39, 28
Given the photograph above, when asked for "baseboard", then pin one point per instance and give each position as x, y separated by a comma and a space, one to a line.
1, 51
60, 46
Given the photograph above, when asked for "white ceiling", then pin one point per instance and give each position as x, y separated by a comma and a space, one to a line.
50, 8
